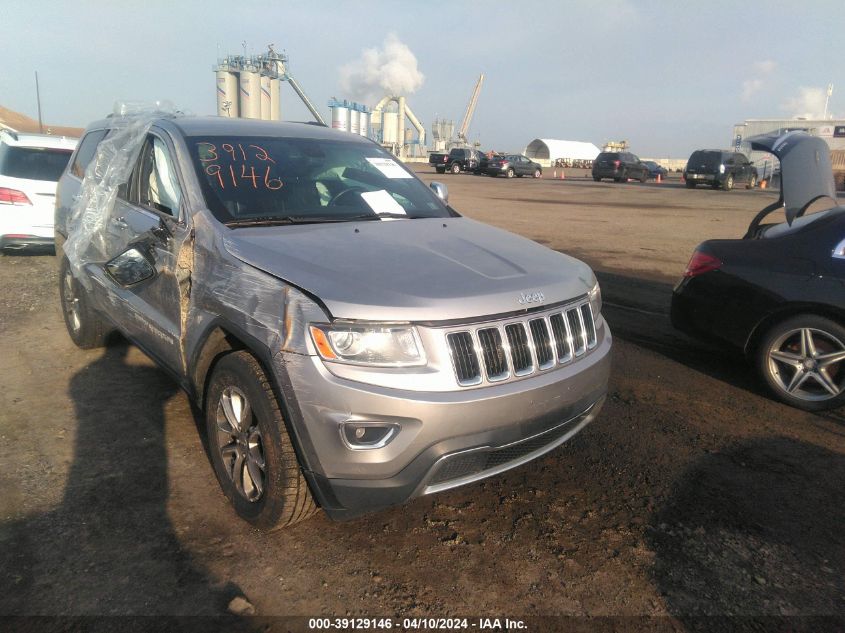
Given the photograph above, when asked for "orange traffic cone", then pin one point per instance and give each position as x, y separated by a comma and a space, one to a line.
763, 184
555, 175
562, 175
658, 178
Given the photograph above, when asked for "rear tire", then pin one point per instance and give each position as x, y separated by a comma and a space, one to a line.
644, 177
509, 173
728, 183
86, 328
440, 170
596, 179
689, 185
251, 451
455, 168
785, 357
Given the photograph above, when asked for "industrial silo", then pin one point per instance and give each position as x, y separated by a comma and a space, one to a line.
389, 127
265, 97
364, 124
340, 118
250, 95
354, 121
275, 101
227, 93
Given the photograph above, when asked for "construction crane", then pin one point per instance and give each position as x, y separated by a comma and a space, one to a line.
462, 132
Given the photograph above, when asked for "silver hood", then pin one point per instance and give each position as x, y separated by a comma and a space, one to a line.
413, 270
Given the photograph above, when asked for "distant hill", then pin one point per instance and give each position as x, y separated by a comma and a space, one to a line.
23, 123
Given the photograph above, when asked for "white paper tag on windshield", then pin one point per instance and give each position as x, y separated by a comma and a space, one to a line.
389, 167
382, 202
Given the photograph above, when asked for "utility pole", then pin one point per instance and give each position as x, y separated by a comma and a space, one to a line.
38, 98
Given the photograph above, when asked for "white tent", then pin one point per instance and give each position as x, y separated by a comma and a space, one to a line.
547, 150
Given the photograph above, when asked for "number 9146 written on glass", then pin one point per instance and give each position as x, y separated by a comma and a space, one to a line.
238, 173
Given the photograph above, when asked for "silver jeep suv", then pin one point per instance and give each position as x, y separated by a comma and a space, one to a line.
352, 340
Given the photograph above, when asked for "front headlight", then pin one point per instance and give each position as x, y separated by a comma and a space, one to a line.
595, 300
374, 345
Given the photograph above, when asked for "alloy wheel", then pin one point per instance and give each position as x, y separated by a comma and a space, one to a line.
71, 302
240, 444
807, 363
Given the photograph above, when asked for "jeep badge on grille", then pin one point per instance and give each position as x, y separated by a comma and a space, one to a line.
530, 297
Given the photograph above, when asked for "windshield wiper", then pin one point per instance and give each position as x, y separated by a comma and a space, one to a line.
378, 216
281, 220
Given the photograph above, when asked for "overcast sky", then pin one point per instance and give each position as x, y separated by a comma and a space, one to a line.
664, 76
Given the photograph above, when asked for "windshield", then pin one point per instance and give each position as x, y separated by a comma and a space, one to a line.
250, 179
33, 163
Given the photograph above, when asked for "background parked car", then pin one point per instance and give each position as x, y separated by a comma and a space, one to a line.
30, 166
620, 166
777, 294
655, 170
719, 169
513, 165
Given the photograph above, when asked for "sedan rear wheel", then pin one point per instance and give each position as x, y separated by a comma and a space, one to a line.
509, 173
802, 360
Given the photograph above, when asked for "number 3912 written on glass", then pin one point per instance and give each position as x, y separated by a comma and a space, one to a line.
238, 153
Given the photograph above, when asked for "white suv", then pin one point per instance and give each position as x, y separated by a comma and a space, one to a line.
30, 167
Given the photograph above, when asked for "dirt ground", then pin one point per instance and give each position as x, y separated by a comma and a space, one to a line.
693, 493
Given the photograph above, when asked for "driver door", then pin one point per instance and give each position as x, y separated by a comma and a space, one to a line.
149, 228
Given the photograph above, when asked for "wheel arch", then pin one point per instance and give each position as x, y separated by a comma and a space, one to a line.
221, 338
786, 312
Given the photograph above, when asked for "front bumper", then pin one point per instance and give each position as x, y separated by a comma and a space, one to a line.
445, 439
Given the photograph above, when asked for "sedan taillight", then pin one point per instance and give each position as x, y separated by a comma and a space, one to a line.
13, 196
701, 263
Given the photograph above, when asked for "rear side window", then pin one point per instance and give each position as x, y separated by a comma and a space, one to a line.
33, 163
703, 158
85, 153
608, 156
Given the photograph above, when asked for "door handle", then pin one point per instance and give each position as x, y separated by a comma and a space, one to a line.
120, 222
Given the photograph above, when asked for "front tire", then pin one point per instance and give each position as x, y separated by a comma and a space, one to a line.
251, 451
752, 183
537, 173
86, 328
802, 361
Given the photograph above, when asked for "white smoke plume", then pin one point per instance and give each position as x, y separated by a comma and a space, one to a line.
808, 104
391, 69
762, 70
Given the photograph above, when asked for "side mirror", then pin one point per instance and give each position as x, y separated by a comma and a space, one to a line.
441, 191
130, 267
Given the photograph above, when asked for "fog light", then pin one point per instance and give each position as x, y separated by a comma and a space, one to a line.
358, 435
